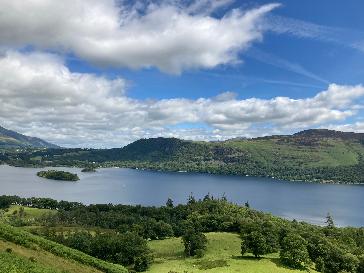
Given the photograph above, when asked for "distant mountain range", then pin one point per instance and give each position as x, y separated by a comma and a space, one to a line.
11, 139
311, 155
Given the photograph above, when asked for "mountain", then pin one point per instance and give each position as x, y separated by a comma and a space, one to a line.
311, 155
11, 139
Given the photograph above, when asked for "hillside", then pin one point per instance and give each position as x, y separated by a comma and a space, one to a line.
311, 155
11, 139
23, 252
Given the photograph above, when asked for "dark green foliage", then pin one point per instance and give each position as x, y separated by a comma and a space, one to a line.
58, 175
331, 257
294, 251
126, 249
169, 203
256, 243
329, 221
360, 268
194, 243
141, 263
259, 236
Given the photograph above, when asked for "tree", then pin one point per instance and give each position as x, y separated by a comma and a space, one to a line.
191, 199
194, 242
169, 203
294, 251
256, 243
329, 221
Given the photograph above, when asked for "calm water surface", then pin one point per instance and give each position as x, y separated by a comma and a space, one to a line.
302, 201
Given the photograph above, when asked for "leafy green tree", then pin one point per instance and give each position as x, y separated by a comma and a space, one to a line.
256, 243
294, 251
194, 242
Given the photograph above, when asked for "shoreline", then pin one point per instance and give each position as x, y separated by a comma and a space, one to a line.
330, 182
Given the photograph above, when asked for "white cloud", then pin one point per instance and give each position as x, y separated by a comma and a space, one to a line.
348, 127
168, 35
41, 97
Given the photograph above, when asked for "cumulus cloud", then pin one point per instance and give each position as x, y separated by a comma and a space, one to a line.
169, 35
40, 96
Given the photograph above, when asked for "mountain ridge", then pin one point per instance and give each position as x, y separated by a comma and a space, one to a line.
12, 139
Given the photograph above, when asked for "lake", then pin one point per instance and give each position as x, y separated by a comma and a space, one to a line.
293, 200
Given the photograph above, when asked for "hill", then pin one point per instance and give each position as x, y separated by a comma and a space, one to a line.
311, 155
11, 139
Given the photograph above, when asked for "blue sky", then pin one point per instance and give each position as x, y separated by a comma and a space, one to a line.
333, 62
197, 69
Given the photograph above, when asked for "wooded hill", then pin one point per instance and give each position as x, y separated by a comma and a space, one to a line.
311, 155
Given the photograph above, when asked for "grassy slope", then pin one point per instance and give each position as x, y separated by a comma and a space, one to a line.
329, 152
48, 255
29, 213
223, 251
19, 260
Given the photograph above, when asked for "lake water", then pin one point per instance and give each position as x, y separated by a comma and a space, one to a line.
293, 200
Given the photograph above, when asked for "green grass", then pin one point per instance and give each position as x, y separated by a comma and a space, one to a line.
222, 256
29, 213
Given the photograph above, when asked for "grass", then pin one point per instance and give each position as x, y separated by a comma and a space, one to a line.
222, 256
29, 213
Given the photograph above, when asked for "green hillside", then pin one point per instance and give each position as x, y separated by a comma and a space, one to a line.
312, 155
21, 252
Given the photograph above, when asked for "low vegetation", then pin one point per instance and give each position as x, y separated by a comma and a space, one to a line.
58, 175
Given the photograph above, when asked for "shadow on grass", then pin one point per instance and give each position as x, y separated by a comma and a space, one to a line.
278, 263
246, 258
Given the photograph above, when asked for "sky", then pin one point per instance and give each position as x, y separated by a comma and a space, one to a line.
90, 73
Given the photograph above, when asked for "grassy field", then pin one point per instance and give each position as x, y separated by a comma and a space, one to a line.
222, 256
28, 213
